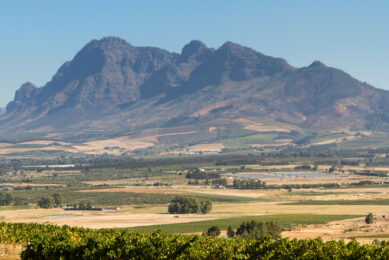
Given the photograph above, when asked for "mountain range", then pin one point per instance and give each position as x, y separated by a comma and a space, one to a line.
111, 88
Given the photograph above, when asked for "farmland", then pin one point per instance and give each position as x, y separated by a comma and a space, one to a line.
310, 195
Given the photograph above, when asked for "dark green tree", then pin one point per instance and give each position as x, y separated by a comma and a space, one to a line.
213, 231
369, 218
57, 199
230, 232
6, 199
46, 202
206, 206
85, 205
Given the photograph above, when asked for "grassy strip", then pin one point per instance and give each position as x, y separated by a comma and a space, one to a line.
339, 202
284, 220
223, 198
16, 207
363, 186
372, 236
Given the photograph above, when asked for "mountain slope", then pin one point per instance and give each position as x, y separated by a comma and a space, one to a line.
113, 87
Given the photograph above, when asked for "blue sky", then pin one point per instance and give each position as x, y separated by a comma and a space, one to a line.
39, 36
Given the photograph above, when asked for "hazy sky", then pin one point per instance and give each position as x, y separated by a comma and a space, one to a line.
39, 36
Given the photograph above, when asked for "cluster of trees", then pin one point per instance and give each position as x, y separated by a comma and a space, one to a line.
366, 183
214, 182
305, 186
257, 184
83, 205
158, 183
254, 229
350, 162
249, 229
197, 174
371, 173
6, 199
306, 168
219, 182
248, 184
53, 201
185, 205
195, 182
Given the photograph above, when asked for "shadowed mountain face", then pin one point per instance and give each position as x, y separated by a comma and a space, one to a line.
112, 84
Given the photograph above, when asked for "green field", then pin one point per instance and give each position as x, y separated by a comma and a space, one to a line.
339, 202
373, 236
15, 207
224, 198
329, 137
284, 220
98, 197
265, 138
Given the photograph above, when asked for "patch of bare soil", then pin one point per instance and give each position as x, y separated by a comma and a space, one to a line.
343, 229
104, 219
116, 145
10, 252
260, 127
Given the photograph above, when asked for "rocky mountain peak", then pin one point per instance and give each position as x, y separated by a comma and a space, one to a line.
195, 49
25, 91
317, 63
236, 49
22, 96
107, 43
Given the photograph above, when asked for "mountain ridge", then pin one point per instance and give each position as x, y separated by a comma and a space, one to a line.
111, 84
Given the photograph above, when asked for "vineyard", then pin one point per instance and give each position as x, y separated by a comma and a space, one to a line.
55, 242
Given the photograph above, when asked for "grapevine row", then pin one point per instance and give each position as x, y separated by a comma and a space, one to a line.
55, 242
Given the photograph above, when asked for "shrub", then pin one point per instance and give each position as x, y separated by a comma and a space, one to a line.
213, 231
230, 232
369, 218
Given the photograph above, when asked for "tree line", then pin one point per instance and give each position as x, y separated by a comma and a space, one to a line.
187, 205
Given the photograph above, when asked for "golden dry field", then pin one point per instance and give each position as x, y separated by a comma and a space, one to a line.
142, 203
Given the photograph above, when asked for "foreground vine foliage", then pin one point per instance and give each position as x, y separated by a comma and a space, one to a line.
55, 242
